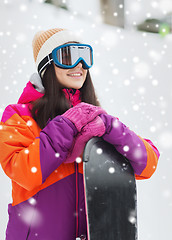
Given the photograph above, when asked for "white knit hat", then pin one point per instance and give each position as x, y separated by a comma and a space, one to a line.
45, 41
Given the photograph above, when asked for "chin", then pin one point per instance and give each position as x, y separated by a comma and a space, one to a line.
77, 86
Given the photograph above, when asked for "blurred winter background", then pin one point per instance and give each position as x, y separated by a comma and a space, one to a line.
132, 74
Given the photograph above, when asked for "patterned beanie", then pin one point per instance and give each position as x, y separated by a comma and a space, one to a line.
45, 41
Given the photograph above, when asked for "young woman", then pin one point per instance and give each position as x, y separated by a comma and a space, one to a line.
43, 137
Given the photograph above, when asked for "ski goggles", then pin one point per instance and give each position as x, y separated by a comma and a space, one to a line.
68, 56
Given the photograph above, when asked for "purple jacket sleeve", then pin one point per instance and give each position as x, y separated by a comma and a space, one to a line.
55, 141
126, 142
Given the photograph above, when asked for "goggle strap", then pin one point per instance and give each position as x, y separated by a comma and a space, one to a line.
47, 60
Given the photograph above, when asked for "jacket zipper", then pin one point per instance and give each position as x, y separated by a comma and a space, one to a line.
76, 172
77, 199
71, 105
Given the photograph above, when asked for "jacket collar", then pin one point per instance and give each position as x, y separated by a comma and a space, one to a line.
30, 94
73, 95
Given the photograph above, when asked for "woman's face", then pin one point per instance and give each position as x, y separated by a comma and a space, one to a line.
71, 78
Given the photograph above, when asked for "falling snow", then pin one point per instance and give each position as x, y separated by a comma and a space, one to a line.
57, 155
138, 153
29, 123
132, 76
33, 169
132, 217
141, 69
29, 214
26, 151
99, 151
78, 160
126, 148
111, 170
32, 201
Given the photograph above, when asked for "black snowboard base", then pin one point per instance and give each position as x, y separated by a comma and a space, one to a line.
110, 192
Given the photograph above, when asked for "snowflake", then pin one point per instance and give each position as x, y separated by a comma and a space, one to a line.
34, 169
14, 45
78, 160
152, 128
132, 217
166, 193
21, 38
32, 201
99, 151
26, 151
29, 123
126, 148
126, 82
154, 4
14, 82
124, 60
111, 170
141, 69
135, 59
141, 90
115, 71
57, 155
23, 8
24, 61
116, 123
107, 89
135, 107
29, 214
155, 55
148, 15
138, 153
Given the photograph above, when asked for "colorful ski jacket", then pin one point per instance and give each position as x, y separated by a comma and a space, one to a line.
48, 195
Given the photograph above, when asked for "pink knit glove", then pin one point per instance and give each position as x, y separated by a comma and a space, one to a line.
82, 113
92, 129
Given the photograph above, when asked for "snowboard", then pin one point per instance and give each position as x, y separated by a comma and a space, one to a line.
110, 193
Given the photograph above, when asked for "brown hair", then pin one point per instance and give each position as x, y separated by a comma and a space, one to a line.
54, 102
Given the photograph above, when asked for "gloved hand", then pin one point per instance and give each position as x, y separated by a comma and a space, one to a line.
92, 129
82, 113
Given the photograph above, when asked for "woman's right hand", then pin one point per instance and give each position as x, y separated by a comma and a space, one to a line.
92, 129
82, 114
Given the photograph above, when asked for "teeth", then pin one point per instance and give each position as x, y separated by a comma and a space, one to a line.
75, 74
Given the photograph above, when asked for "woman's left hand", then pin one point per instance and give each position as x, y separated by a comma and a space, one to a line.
92, 129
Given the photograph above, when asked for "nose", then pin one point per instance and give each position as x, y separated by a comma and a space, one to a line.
80, 64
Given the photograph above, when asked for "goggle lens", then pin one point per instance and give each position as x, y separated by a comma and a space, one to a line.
69, 55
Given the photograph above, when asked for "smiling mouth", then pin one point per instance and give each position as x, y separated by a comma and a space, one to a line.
74, 74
